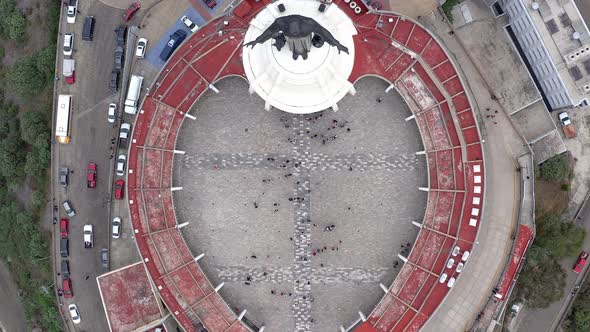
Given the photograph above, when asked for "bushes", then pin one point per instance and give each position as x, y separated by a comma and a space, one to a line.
542, 279
12, 22
31, 74
579, 318
556, 169
448, 6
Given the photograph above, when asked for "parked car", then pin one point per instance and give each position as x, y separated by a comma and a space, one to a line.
67, 288
72, 11
91, 175
104, 257
88, 28
69, 209
121, 161
121, 33
141, 47
63, 227
210, 3
116, 227
189, 24
124, 133
64, 174
130, 12
64, 247
119, 52
114, 83
566, 125
74, 313
580, 262
68, 44
88, 236
175, 39
65, 268
119, 189
112, 113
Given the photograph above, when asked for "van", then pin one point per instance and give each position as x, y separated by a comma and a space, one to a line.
65, 269
88, 29
64, 245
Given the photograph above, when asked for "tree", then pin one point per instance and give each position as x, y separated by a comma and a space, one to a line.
12, 160
8, 120
556, 169
542, 279
560, 238
33, 124
45, 62
24, 78
16, 26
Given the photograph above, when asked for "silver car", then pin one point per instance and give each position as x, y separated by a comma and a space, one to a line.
69, 209
63, 176
121, 161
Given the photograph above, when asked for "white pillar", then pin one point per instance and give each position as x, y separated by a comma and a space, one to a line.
242, 314
402, 258
417, 224
420, 153
219, 287
410, 117
389, 88
179, 152
423, 189
363, 316
199, 257
175, 188
385, 290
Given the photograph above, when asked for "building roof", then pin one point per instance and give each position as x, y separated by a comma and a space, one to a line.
128, 298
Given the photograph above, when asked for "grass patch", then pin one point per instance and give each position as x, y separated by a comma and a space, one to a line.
447, 8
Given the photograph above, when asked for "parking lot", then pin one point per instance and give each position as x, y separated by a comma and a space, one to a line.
94, 139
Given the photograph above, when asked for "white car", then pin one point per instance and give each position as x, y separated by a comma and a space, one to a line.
88, 236
121, 161
112, 115
189, 24
116, 227
141, 47
74, 313
72, 11
68, 44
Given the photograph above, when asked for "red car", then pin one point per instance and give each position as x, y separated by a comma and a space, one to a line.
119, 189
130, 12
210, 3
579, 266
91, 175
67, 288
63, 227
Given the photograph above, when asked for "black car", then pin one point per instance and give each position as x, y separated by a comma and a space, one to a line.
119, 58
65, 269
175, 39
121, 32
114, 83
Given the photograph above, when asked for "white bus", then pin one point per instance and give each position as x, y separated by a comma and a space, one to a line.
62, 121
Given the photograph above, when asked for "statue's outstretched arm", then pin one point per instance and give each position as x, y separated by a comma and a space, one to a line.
328, 38
266, 35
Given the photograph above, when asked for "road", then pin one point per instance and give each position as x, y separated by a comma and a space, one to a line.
547, 319
584, 8
91, 136
12, 313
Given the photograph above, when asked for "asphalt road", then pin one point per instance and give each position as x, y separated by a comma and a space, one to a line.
584, 8
90, 141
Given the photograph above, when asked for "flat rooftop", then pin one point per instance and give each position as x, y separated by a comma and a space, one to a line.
128, 298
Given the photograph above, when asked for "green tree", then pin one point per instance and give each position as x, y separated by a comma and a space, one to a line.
16, 26
45, 62
12, 160
33, 124
542, 279
556, 169
8, 120
24, 78
560, 238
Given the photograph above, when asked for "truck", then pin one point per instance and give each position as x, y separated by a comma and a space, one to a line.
133, 94
88, 236
566, 125
69, 70
124, 133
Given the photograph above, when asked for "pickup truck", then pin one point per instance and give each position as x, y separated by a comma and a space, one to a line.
566, 125
88, 236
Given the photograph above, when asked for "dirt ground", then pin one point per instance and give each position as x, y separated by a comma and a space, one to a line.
550, 198
12, 314
37, 36
412, 8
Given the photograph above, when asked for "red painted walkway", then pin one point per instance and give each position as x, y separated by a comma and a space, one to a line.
387, 45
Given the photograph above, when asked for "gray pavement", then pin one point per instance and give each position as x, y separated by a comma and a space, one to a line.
502, 147
259, 189
91, 136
